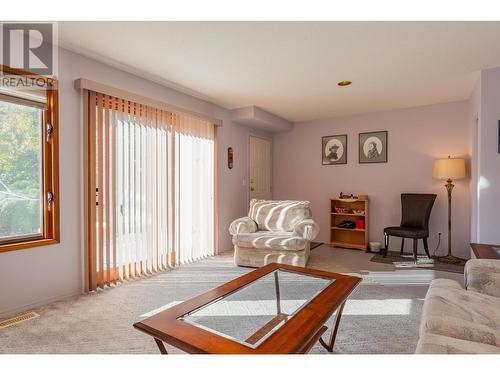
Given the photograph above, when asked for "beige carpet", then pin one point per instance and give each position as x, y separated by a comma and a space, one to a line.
382, 315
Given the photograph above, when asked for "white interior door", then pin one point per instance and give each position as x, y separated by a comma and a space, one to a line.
260, 168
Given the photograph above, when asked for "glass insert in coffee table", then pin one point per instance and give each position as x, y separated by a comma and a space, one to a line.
252, 313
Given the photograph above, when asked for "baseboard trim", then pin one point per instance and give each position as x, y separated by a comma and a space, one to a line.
34, 305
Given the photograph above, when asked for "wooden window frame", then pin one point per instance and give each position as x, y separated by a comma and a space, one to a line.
50, 168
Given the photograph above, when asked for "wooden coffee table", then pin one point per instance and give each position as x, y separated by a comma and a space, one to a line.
276, 309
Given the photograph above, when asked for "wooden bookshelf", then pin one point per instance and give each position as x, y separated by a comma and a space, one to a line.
345, 237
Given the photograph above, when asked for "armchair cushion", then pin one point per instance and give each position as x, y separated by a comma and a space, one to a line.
278, 216
270, 240
307, 229
483, 276
242, 225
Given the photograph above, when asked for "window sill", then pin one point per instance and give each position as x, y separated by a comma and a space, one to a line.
27, 244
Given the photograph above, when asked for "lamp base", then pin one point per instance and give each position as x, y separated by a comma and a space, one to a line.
451, 259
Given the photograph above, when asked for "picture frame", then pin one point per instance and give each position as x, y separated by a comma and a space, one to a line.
334, 149
373, 147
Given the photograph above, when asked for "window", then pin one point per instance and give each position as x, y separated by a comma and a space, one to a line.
28, 160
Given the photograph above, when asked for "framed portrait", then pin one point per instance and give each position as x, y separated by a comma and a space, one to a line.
373, 147
334, 149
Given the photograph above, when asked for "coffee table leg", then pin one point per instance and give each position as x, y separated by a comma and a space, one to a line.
278, 298
161, 346
335, 328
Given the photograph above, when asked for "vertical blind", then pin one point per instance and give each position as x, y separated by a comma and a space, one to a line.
151, 189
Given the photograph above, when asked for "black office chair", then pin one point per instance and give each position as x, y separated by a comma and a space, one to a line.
416, 210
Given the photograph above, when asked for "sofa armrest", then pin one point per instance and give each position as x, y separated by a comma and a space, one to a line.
483, 276
242, 225
307, 229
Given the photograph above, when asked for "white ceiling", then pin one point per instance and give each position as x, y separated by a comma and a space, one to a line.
291, 68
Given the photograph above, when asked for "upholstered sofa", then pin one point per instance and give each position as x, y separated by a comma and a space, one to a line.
458, 320
274, 231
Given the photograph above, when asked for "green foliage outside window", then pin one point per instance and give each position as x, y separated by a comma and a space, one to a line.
20, 170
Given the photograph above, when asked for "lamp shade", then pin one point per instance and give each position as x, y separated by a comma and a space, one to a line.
449, 168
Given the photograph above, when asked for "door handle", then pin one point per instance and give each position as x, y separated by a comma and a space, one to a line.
252, 189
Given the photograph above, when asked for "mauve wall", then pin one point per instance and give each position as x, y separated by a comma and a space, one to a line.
35, 276
417, 136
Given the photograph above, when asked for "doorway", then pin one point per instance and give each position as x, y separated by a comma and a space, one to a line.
260, 165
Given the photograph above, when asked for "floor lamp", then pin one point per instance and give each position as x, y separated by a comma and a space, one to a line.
449, 169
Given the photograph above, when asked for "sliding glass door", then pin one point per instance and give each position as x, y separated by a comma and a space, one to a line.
151, 189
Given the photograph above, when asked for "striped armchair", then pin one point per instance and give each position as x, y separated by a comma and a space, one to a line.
274, 231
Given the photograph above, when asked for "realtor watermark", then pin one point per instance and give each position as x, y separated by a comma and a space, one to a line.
30, 47
25, 82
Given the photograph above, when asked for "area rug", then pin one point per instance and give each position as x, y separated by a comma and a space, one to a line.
406, 262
